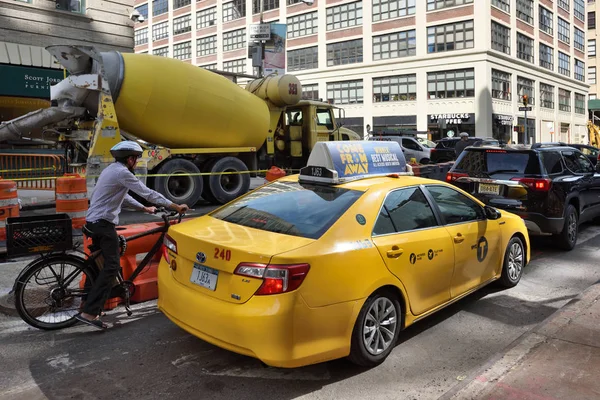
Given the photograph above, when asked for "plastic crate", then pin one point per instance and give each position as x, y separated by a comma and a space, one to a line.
39, 234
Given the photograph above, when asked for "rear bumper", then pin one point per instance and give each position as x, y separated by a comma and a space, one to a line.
540, 224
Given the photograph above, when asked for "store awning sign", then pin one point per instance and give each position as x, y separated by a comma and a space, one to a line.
16, 80
455, 119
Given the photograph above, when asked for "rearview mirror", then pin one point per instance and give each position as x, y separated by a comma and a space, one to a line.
492, 213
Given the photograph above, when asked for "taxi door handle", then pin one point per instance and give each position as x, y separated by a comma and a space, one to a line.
395, 252
458, 238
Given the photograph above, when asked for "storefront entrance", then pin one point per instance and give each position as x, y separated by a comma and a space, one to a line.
450, 125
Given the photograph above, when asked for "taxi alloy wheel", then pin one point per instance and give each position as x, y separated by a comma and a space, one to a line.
376, 329
514, 262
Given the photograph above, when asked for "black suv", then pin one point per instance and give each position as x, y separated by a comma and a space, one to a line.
444, 149
552, 186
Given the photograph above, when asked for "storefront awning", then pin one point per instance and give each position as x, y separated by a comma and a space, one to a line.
594, 105
21, 54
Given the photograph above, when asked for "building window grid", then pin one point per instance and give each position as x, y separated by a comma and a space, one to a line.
345, 92
207, 17
395, 88
160, 31
267, 5
525, 48
504, 5
579, 9
579, 70
344, 16
501, 85
564, 64
234, 10
546, 96
547, 57
301, 59
302, 25
395, 45
449, 37
209, 66
564, 4
235, 66
564, 30
580, 103
451, 84
526, 87
564, 100
182, 51
342, 53
500, 38
525, 10
141, 36
206, 46
579, 39
546, 18
592, 75
181, 3
161, 52
591, 20
388, 9
159, 7
439, 4
182, 24
233, 40
591, 48
143, 10
310, 92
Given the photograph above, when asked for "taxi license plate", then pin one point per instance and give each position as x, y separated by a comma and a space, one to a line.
204, 276
486, 188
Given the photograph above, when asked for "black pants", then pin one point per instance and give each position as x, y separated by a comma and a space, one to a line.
104, 237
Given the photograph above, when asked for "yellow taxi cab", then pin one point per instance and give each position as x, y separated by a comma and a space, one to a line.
336, 261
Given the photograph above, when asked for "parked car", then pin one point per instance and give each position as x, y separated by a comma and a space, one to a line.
553, 186
591, 152
444, 149
410, 147
426, 143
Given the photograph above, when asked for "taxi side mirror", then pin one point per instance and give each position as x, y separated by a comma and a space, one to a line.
492, 213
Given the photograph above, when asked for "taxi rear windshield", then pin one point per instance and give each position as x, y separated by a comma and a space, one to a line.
494, 162
290, 208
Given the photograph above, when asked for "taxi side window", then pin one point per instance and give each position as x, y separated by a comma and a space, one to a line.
454, 206
404, 210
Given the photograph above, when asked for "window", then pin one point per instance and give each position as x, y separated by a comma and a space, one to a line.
160, 31
592, 97
564, 64
404, 210
143, 10
592, 48
456, 36
302, 25
182, 24
579, 70
451, 84
207, 17
235, 66
482, 163
504, 5
206, 46
182, 51
395, 88
577, 162
388, 9
592, 20
546, 95
141, 36
162, 52
564, 4
525, 10
310, 92
347, 92
344, 16
181, 3
77, 6
546, 57
267, 5
526, 87
411, 144
324, 118
454, 206
579, 103
290, 208
394, 45
500, 85
209, 66
525, 48
234, 10
343, 53
564, 30
500, 38
564, 100
579, 39
234, 39
159, 7
552, 162
300, 59
546, 18
439, 4
579, 9
592, 75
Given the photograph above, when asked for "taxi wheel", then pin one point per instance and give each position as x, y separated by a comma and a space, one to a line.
514, 262
376, 329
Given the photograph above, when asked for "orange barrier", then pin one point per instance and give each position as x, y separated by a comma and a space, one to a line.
71, 198
45, 167
9, 204
274, 173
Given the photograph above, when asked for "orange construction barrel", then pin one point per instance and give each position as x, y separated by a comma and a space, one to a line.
71, 198
274, 173
9, 204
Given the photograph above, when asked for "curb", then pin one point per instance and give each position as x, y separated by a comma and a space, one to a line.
7, 305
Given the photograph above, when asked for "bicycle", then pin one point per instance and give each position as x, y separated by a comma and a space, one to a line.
59, 294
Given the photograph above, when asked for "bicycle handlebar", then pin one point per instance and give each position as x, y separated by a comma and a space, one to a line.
167, 214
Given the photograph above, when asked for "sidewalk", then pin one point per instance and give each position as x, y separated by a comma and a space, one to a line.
559, 359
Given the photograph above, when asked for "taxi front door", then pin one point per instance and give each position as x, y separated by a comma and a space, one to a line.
415, 248
476, 239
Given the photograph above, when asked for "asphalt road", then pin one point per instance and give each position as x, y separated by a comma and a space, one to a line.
147, 357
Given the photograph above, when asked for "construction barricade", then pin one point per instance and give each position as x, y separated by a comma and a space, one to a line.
9, 204
71, 198
32, 171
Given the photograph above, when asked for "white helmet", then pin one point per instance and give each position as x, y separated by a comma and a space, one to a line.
464, 134
126, 149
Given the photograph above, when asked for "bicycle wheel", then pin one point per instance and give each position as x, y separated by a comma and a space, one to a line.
51, 292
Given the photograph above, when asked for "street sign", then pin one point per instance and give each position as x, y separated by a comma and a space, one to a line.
524, 108
260, 32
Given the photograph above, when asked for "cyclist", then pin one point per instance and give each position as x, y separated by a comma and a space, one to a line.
103, 216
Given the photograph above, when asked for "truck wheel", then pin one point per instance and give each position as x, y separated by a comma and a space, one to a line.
226, 186
179, 189
206, 193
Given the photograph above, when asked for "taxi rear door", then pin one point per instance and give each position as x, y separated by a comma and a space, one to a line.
415, 248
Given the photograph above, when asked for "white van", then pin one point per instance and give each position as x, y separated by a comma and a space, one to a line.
410, 147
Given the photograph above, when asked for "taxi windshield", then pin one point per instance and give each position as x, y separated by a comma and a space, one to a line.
290, 208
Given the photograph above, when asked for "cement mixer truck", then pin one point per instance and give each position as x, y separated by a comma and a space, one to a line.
204, 136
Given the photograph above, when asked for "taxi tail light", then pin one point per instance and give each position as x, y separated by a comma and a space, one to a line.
168, 244
276, 278
540, 185
453, 176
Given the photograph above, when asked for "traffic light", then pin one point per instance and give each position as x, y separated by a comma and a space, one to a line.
525, 100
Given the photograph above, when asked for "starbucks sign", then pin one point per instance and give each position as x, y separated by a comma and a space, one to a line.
16, 80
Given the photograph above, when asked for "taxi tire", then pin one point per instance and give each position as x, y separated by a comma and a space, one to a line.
505, 279
359, 355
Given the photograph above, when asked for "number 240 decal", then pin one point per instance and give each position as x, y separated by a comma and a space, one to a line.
222, 254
